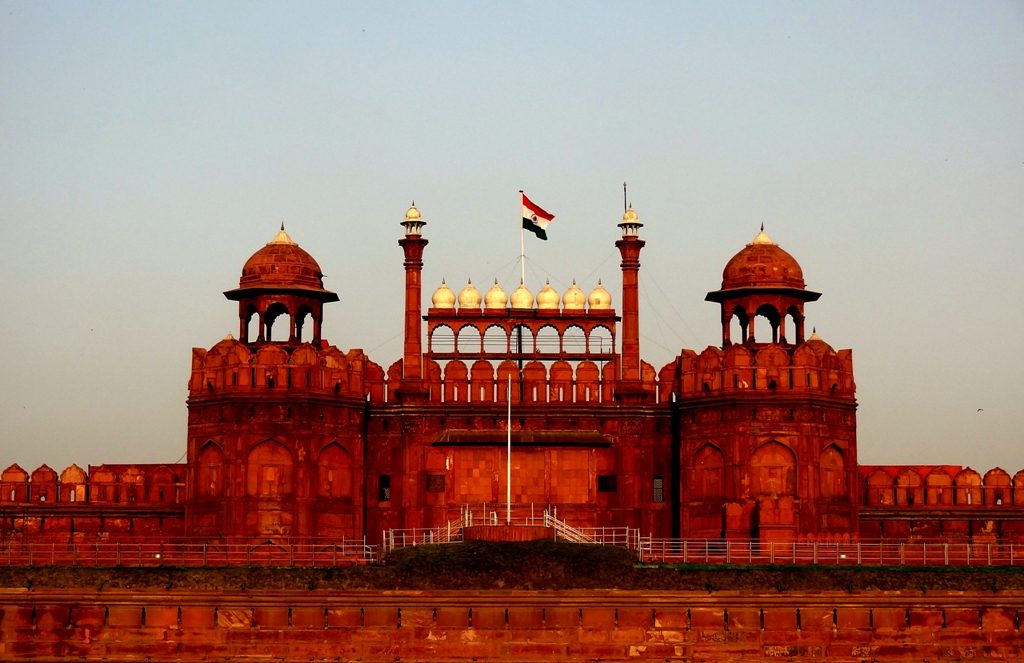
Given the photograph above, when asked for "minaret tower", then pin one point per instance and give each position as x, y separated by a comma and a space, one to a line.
629, 246
412, 358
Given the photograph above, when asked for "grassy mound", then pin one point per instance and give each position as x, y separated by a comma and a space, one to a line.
537, 565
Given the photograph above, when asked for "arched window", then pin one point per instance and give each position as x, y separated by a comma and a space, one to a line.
548, 340
771, 315
274, 311
599, 341
442, 339
521, 339
495, 340
574, 340
469, 340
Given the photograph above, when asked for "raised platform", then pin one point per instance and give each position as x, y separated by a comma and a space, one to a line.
507, 533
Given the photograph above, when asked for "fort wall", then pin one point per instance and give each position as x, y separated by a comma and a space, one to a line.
508, 625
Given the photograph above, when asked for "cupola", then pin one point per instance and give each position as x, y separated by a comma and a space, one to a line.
547, 298
495, 297
573, 299
521, 297
599, 298
469, 298
443, 297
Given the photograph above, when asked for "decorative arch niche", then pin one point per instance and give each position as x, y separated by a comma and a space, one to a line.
268, 471
211, 470
709, 473
832, 469
773, 470
334, 472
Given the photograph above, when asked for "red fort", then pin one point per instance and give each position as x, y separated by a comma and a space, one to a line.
293, 439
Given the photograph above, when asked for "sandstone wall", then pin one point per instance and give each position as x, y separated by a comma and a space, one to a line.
174, 625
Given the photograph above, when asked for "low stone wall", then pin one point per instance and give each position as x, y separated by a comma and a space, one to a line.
49, 625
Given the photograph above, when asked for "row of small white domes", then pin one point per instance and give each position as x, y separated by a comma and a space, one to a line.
522, 298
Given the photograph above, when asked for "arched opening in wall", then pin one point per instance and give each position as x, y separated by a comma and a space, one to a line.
210, 462
880, 488
574, 340
442, 340
833, 473
770, 327
468, 341
968, 488
909, 491
773, 470
305, 315
252, 324
998, 489
548, 340
938, 488
521, 340
708, 473
738, 321
600, 341
495, 340
275, 311
334, 472
268, 471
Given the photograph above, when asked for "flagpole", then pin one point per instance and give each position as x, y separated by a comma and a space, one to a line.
508, 464
522, 245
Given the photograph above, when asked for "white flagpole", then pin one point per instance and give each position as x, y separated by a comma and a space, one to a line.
508, 464
522, 243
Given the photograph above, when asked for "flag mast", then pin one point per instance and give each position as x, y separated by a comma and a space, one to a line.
522, 247
508, 464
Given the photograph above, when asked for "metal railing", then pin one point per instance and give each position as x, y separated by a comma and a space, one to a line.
857, 553
192, 554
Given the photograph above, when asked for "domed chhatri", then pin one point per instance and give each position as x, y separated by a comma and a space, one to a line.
762, 263
469, 298
574, 299
521, 297
547, 298
413, 214
443, 297
599, 298
495, 297
281, 264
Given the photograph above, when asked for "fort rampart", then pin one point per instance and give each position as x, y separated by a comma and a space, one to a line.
190, 625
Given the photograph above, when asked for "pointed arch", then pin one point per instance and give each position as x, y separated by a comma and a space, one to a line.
909, 491
268, 471
832, 473
708, 473
210, 461
773, 470
938, 488
334, 472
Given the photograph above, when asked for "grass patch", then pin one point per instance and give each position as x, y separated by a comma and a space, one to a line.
536, 565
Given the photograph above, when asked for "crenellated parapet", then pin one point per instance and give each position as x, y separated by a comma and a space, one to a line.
812, 367
134, 484
940, 487
233, 367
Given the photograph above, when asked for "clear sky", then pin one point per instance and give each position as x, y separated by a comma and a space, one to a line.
148, 148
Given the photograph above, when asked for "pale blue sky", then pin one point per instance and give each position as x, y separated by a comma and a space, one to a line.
148, 148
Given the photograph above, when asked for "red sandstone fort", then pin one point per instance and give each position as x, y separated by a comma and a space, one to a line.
292, 439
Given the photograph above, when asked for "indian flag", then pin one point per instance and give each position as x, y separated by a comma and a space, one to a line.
535, 219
